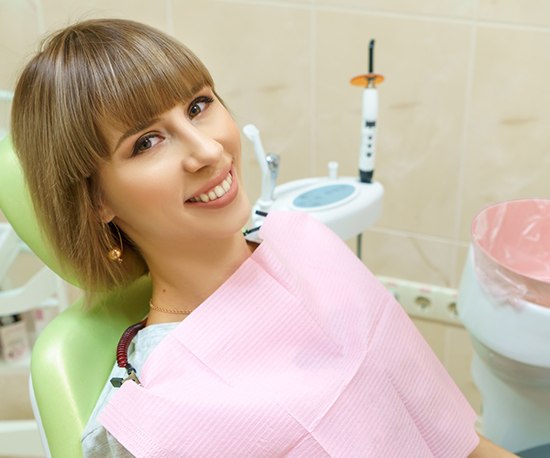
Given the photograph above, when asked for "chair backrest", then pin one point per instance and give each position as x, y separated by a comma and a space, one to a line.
73, 356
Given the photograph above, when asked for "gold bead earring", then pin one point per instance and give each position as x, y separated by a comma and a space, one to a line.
115, 253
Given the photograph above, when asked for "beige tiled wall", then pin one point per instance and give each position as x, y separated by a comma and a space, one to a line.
463, 115
463, 109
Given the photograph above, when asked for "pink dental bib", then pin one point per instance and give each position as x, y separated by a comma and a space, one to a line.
300, 353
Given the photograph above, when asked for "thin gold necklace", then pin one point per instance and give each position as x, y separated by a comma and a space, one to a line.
168, 310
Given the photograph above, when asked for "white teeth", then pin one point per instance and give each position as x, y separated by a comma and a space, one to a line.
215, 193
219, 191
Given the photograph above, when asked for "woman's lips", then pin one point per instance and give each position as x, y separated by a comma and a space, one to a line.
219, 195
216, 192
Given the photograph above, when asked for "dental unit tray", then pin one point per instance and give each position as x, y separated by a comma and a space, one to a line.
344, 204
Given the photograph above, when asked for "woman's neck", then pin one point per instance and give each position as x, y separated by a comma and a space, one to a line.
182, 279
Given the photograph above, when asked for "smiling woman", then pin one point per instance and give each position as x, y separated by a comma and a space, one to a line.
92, 78
288, 348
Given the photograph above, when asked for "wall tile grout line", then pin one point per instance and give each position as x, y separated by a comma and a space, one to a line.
434, 18
418, 236
40, 19
313, 90
169, 7
288, 4
459, 204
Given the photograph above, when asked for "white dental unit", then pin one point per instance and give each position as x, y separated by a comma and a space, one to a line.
348, 205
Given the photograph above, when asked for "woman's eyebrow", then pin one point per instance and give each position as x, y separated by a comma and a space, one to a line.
135, 130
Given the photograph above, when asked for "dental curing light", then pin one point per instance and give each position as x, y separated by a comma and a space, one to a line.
369, 118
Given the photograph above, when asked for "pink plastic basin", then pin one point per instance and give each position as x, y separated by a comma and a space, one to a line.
511, 243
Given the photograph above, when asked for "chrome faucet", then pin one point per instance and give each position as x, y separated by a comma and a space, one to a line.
270, 180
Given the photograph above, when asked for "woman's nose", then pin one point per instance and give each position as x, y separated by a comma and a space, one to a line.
202, 150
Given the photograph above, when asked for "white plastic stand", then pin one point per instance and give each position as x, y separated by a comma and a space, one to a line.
43, 290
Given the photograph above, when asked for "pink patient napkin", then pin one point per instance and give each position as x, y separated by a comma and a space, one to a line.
300, 353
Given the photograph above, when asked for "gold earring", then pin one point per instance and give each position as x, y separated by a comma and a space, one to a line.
115, 253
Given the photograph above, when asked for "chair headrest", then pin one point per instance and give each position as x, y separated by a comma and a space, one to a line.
16, 204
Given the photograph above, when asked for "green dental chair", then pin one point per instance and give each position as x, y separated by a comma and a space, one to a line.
73, 356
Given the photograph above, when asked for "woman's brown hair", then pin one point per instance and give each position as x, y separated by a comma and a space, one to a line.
92, 74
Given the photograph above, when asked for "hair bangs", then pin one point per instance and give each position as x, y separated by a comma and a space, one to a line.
140, 81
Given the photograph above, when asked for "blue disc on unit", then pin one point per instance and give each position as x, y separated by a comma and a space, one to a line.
323, 196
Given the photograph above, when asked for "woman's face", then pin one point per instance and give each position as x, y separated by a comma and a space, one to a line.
177, 178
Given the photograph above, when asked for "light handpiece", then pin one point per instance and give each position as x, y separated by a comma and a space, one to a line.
369, 117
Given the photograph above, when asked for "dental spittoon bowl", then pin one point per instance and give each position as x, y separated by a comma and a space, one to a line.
512, 250
504, 303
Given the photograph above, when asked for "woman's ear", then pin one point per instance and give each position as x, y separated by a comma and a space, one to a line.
101, 207
106, 213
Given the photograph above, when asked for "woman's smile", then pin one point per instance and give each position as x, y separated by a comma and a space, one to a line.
217, 196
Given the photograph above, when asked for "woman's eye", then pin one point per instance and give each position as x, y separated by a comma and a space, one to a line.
198, 105
146, 142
